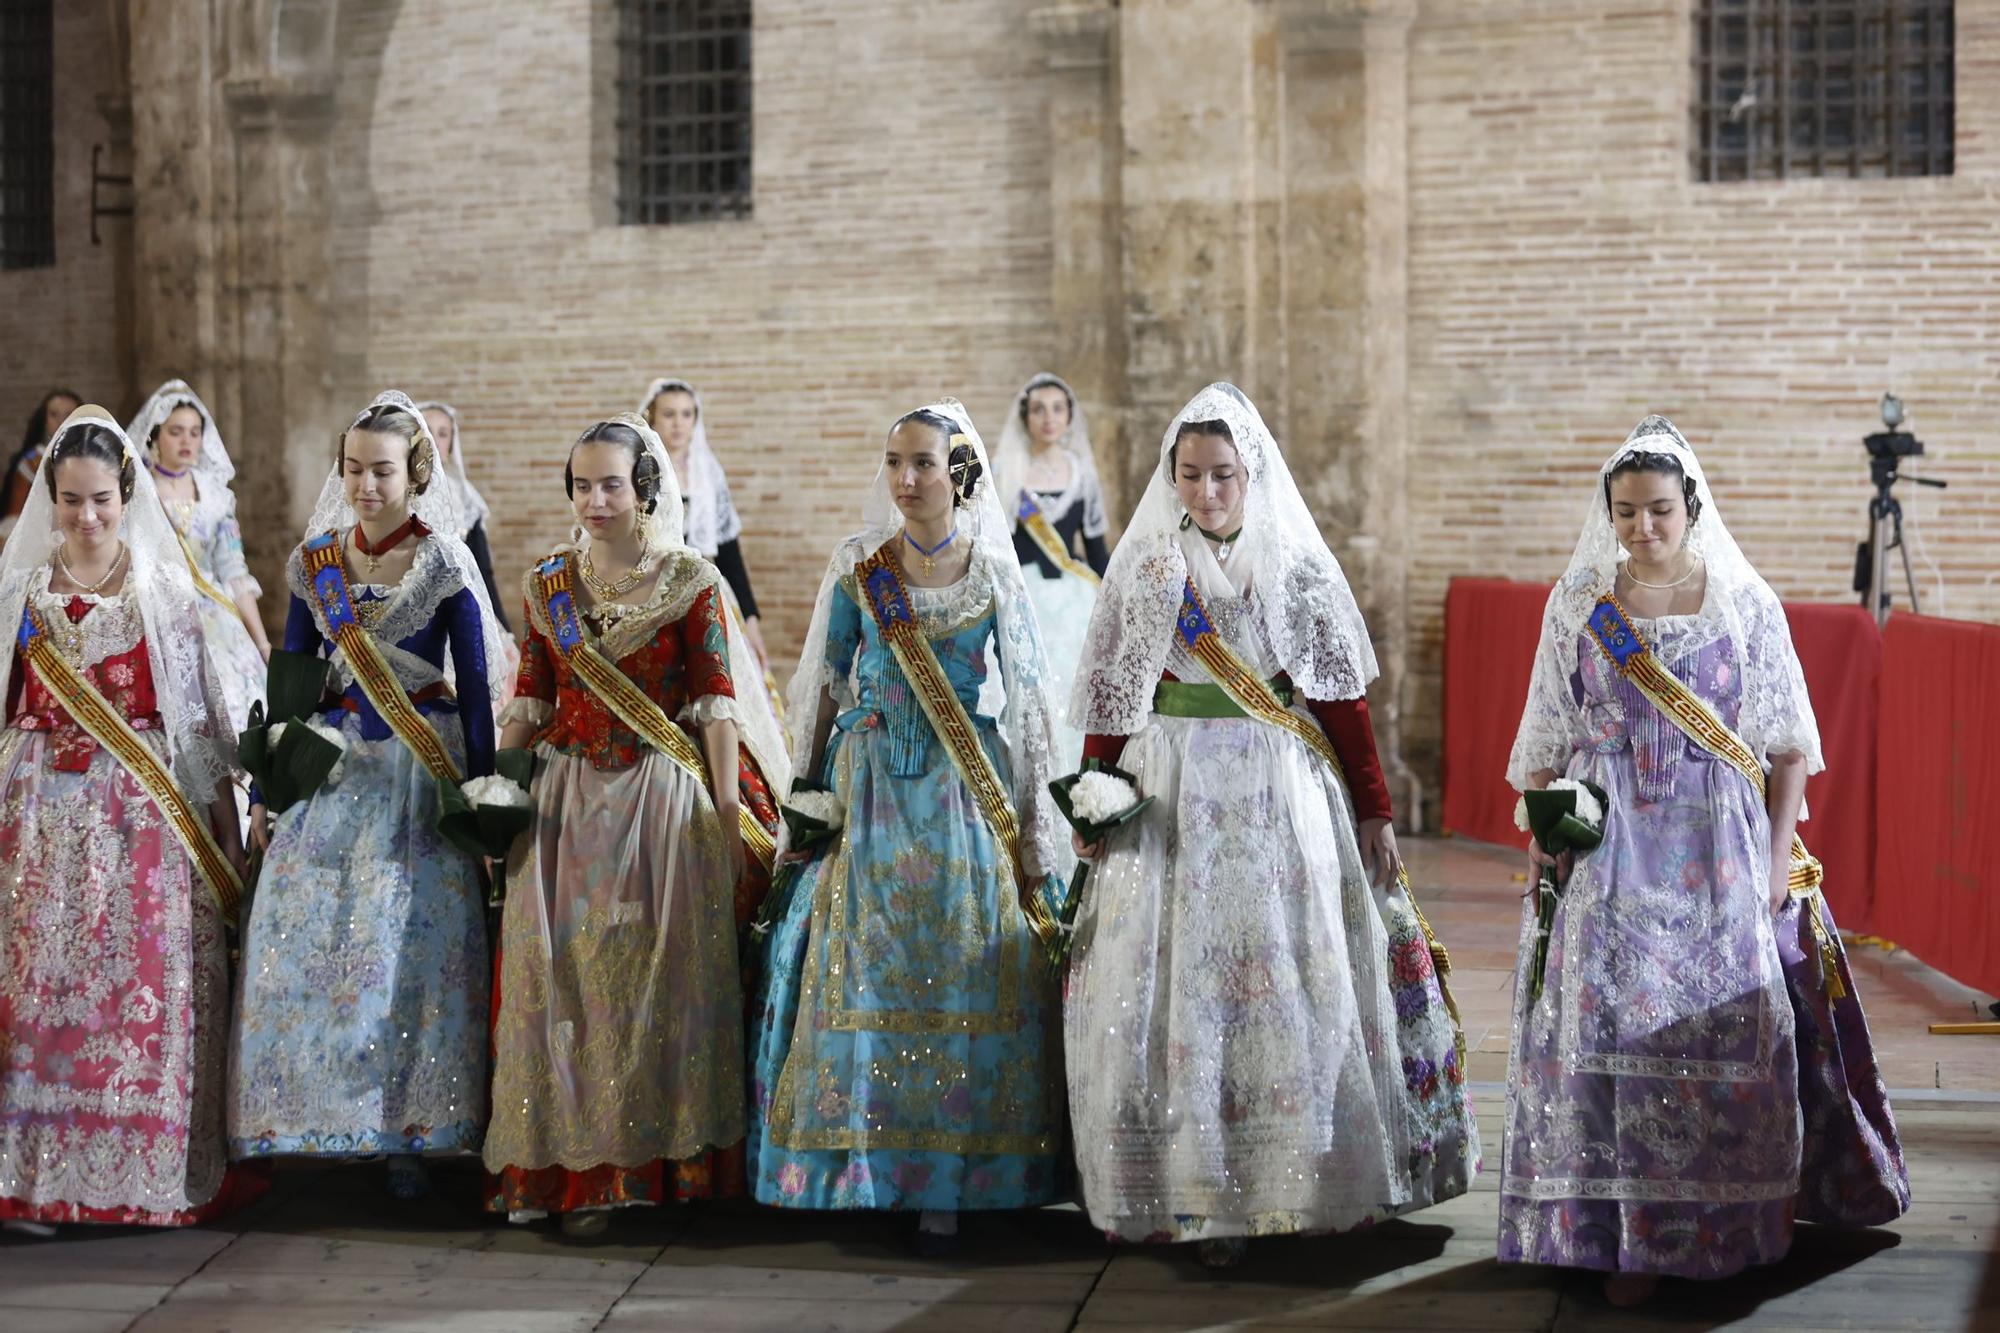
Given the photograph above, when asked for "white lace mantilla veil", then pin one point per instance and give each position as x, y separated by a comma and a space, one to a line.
1026, 728
756, 723
472, 507
1776, 714
711, 515
1010, 460
213, 470
1297, 591
437, 509
201, 743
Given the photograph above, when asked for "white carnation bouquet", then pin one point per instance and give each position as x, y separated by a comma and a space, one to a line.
1095, 801
482, 816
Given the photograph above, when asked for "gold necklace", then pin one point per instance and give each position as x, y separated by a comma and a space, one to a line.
117, 562
624, 583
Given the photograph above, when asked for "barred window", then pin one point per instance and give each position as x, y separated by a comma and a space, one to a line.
1786, 88
683, 110
27, 134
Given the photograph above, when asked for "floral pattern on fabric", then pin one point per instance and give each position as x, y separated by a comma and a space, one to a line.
363, 1014
212, 533
618, 1031
905, 1031
114, 986
1653, 1103
683, 660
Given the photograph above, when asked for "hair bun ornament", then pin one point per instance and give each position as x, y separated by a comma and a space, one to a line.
966, 469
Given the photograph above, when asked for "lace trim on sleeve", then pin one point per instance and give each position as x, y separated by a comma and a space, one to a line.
525, 708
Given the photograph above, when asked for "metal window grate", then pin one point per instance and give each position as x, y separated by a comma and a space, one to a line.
27, 134
1788, 88
683, 110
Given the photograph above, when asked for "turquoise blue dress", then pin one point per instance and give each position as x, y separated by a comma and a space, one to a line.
907, 1025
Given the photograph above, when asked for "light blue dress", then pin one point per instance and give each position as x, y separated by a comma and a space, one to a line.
361, 1022
906, 1030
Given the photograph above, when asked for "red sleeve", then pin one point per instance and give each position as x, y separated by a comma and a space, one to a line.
1104, 749
705, 648
1346, 724
536, 679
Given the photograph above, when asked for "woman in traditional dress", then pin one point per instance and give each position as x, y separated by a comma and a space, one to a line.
473, 511
712, 526
618, 1045
365, 972
50, 413
118, 830
1653, 1111
192, 471
1048, 484
1257, 1036
905, 1036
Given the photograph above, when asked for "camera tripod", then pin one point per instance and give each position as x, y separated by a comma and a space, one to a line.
1885, 526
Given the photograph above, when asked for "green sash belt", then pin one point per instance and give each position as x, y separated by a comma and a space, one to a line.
1180, 698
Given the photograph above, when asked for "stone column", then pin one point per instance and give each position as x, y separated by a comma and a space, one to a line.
284, 274
173, 61
1187, 121
1086, 292
1345, 279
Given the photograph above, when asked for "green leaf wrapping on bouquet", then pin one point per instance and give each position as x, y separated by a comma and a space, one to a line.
1552, 818
300, 762
486, 830
517, 766
1069, 899
294, 683
253, 746
806, 835
1088, 830
1557, 827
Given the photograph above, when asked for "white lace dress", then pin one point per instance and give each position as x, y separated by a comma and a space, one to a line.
1256, 1040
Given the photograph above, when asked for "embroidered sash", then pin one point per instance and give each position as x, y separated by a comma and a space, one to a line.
1050, 542
91, 711
326, 573
1633, 659
201, 582
627, 702
1254, 696
889, 602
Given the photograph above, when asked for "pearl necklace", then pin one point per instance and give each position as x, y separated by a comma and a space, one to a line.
117, 563
1693, 567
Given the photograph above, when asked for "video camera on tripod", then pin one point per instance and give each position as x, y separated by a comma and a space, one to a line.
1886, 452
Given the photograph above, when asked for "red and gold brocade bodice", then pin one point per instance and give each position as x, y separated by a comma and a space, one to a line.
672, 646
104, 637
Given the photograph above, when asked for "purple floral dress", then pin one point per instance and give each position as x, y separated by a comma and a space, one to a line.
1658, 1121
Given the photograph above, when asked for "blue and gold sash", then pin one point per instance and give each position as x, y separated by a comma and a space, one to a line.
630, 704
105, 725
1633, 659
1050, 542
326, 574
889, 602
201, 583
1254, 696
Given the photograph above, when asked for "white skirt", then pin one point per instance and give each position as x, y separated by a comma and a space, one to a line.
1062, 610
1233, 1046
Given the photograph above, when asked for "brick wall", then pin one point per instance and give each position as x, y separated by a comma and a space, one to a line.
1566, 278
58, 325
899, 249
